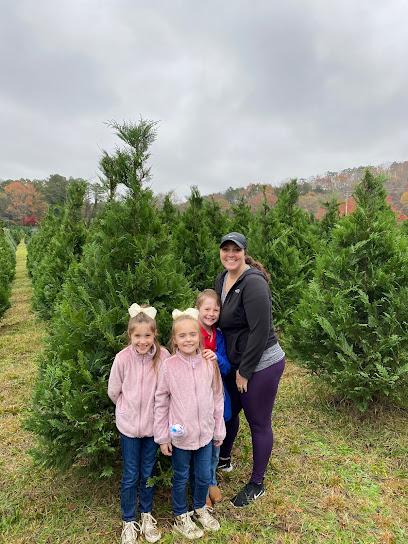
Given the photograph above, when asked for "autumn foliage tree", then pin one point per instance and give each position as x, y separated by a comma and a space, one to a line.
24, 201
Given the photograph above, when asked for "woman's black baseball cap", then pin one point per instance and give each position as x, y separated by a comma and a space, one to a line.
235, 237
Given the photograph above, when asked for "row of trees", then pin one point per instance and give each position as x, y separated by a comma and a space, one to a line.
26, 202
337, 286
7, 267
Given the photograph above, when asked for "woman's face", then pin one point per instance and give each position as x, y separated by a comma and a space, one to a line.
232, 257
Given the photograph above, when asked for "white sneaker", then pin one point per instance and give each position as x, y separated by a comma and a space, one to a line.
129, 532
203, 516
148, 527
186, 526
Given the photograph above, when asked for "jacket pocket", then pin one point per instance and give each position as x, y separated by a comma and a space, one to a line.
122, 406
237, 347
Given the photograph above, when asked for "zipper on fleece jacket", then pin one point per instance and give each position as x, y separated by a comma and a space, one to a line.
198, 407
141, 394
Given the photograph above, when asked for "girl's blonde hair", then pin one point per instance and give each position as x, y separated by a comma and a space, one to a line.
207, 293
173, 346
143, 319
184, 317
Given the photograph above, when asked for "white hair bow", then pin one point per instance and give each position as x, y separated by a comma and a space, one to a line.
190, 311
136, 309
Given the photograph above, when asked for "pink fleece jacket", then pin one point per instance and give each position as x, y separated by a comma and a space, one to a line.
189, 397
132, 385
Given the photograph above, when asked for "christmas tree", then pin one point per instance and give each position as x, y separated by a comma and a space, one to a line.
282, 239
351, 326
126, 259
7, 269
64, 248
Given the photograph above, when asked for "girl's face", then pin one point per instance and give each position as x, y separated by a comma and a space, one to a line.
142, 338
209, 312
232, 257
187, 337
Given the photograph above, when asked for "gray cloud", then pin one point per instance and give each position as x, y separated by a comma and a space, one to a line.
244, 92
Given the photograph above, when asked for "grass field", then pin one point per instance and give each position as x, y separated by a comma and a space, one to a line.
336, 476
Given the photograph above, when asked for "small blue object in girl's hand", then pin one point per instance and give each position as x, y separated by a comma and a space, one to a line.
176, 429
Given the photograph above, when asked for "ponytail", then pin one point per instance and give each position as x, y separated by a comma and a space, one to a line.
255, 264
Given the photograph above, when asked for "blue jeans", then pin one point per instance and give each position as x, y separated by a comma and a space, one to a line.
214, 462
181, 460
139, 458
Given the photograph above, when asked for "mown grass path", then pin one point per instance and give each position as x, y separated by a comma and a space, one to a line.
336, 476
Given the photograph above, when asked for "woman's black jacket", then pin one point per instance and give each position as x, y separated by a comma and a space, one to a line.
246, 320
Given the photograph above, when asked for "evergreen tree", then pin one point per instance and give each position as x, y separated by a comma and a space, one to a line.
283, 241
241, 216
169, 214
351, 326
7, 268
329, 220
218, 222
195, 244
65, 247
126, 259
38, 244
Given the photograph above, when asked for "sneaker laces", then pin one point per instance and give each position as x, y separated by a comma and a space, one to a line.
129, 532
205, 512
187, 521
148, 523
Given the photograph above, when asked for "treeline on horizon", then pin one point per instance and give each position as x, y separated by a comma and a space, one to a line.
25, 201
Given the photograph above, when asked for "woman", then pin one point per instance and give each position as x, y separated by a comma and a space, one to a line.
254, 353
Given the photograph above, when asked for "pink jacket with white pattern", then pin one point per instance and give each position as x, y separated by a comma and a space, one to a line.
189, 396
132, 385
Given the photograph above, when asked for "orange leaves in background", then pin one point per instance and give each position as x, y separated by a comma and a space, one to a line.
24, 201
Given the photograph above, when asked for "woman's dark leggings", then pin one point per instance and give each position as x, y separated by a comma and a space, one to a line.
257, 404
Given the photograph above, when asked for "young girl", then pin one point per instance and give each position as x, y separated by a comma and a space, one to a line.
188, 417
208, 304
132, 385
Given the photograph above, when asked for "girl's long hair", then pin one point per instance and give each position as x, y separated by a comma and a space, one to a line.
173, 346
255, 264
143, 319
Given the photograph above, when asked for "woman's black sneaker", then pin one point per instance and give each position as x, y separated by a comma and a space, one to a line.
224, 465
248, 494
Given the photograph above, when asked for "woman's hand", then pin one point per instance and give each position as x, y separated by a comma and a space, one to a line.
166, 449
217, 443
242, 383
209, 355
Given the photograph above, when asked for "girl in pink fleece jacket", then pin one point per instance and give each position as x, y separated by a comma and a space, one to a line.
188, 418
132, 385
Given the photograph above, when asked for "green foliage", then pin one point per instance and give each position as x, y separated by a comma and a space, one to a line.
351, 326
169, 213
195, 243
283, 241
126, 259
241, 217
64, 248
18, 232
39, 242
329, 220
218, 222
7, 268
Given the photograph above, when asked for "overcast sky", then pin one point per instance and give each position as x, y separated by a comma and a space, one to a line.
244, 91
